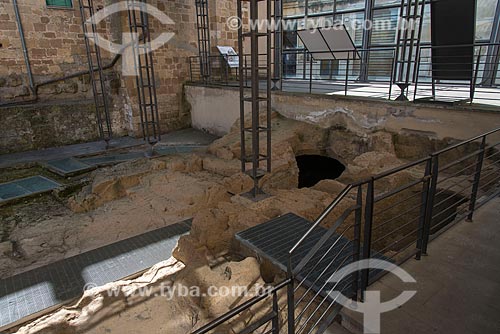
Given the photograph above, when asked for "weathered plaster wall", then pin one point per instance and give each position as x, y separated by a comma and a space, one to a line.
35, 127
216, 109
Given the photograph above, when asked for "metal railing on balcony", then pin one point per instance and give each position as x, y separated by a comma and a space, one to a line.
434, 79
371, 77
390, 216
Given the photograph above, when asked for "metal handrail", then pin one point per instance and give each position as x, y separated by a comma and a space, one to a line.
466, 142
322, 216
429, 181
246, 305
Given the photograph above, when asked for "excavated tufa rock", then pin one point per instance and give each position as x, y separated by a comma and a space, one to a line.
101, 302
135, 197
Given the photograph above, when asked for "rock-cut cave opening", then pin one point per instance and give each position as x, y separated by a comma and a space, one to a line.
314, 168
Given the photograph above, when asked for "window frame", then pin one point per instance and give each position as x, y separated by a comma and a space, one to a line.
68, 7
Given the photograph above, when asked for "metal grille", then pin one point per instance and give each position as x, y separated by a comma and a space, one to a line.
255, 100
144, 70
411, 18
43, 288
203, 25
87, 11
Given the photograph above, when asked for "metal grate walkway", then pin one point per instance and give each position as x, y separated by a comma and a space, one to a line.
273, 239
44, 288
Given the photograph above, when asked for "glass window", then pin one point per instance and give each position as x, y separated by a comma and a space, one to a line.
354, 23
59, 3
484, 18
343, 5
294, 7
385, 24
320, 6
387, 2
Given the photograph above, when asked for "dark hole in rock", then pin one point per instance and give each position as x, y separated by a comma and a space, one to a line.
314, 168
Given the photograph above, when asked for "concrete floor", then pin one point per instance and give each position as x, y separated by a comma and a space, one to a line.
181, 137
458, 284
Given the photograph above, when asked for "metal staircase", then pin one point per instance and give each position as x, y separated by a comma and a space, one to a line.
203, 26
144, 70
87, 11
255, 158
411, 19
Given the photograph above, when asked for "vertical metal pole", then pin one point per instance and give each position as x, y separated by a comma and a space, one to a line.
476, 71
423, 208
304, 64
392, 73
25, 48
276, 310
367, 35
477, 178
346, 74
278, 44
290, 298
310, 73
242, 66
370, 204
357, 240
430, 203
254, 63
417, 73
398, 39
269, 88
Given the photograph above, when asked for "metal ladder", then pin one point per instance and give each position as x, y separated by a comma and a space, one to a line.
255, 100
144, 69
411, 19
203, 25
87, 11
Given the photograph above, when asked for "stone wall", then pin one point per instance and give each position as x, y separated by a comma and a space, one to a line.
56, 48
55, 44
46, 125
356, 114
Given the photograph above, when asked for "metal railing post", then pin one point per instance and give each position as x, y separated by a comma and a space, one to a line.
290, 298
370, 203
474, 79
392, 74
430, 203
477, 178
346, 74
417, 73
310, 74
276, 310
423, 208
357, 240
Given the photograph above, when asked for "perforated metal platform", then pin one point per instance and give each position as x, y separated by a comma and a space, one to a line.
40, 289
273, 239
26, 187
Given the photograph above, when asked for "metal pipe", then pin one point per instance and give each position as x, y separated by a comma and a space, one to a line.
66, 77
25, 49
